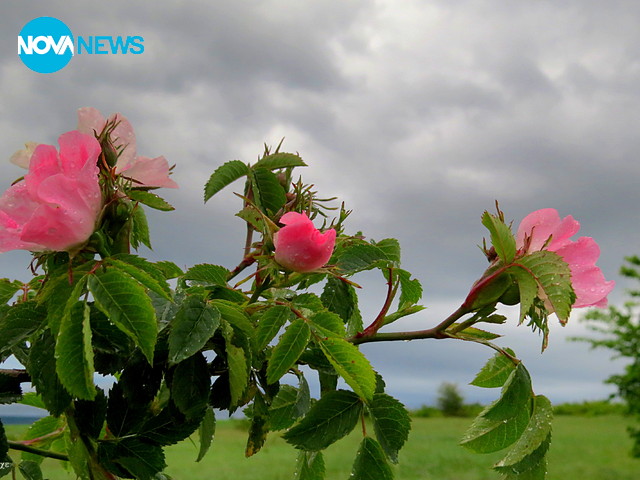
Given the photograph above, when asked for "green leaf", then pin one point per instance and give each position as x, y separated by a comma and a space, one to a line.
194, 324
206, 431
254, 217
168, 427
488, 435
237, 363
502, 238
472, 333
269, 324
309, 466
235, 315
410, 289
47, 430
42, 366
224, 175
391, 248
289, 404
8, 289
205, 274
514, 397
127, 305
328, 322
552, 277
289, 348
281, 412
152, 282
370, 463
169, 269
190, 385
357, 258
150, 200
331, 418
61, 291
339, 297
90, 414
33, 400
258, 428
269, 195
539, 472
350, 364
532, 446
495, 373
391, 423
30, 470
140, 459
74, 353
20, 321
279, 160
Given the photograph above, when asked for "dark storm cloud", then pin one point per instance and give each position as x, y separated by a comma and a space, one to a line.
419, 115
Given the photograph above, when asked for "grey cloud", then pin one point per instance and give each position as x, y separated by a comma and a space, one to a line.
419, 117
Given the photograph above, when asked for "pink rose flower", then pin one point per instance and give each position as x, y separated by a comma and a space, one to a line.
144, 171
56, 205
300, 246
588, 280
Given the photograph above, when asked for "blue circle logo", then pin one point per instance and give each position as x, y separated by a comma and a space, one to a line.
45, 45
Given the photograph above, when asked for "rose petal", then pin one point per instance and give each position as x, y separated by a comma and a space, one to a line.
22, 157
150, 172
585, 251
590, 286
300, 246
545, 223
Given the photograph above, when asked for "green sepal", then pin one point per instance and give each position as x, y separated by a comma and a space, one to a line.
545, 273
502, 238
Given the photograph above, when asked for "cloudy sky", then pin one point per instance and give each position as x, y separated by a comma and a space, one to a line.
418, 114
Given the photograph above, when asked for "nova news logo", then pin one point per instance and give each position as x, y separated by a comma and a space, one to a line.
46, 45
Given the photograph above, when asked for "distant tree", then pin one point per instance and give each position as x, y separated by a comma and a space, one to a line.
619, 331
450, 400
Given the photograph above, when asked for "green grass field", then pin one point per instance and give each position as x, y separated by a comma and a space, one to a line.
583, 448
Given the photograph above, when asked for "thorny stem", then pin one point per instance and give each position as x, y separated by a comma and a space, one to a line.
379, 320
436, 332
247, 261
38, 451
248, 240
